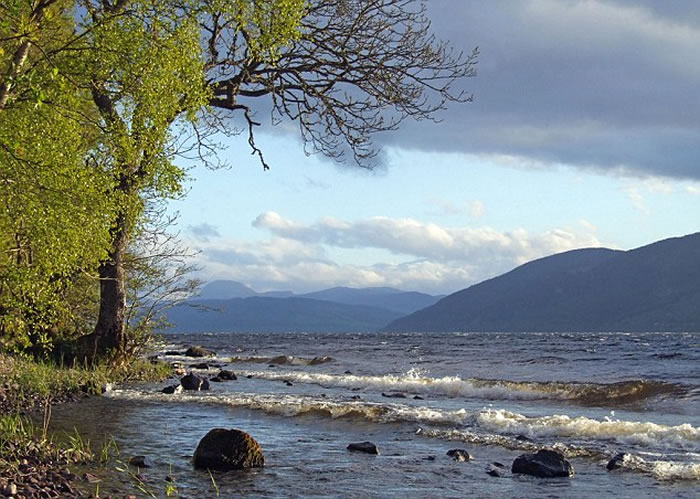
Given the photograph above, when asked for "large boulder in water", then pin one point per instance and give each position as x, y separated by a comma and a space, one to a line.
226, 450
194, 382
544, 464
198, 351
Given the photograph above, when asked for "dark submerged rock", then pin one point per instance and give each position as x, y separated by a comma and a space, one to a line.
617, 462
172, 389
198, 351
523, 438
225, 375
494, 472
216, 379
141, 462
367, 447
226, 450
172, 352
544, 464
417, 397
460, 455
320, 360
394, 395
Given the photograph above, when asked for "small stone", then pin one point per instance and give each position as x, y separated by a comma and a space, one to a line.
366, 447
226, 375
201, 365
617, 462
198, 351
417, 397
11, 489
523, 438
459, 455
544, 464
289, 383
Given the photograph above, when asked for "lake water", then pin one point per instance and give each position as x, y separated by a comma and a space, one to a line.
304, 397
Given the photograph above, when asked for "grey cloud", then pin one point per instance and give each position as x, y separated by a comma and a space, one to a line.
601, 84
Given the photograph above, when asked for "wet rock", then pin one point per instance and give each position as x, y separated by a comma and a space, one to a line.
394, 395
288, 383
198, 351
356, 397
320, 360
498, 465
544, 464
172, 389
216, 379
141, 462
347, 372
618, 461
523, 438
491, 471
194, 383
250, 376
201, 365
429, 458
367, 447
460, 455
417, 397
172, 352
225, 375
225, 450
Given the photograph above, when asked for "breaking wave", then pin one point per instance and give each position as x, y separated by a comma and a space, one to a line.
415, 382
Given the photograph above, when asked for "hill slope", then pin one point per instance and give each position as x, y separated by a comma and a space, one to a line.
652, 288
264, 314
403, 302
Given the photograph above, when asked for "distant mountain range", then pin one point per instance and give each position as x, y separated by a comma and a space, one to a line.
652, 288
231, 306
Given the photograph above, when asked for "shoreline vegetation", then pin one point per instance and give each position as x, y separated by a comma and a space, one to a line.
34, 462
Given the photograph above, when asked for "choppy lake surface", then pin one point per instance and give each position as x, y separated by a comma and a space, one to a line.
304, 397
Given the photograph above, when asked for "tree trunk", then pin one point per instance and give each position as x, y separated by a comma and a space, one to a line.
110, 331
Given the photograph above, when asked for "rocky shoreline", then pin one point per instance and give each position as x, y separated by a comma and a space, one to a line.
32, 464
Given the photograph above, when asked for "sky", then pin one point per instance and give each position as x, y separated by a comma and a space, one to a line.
584, 132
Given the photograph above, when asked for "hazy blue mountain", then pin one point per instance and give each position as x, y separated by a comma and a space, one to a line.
404, 302
223, 290
264, 314
652, 288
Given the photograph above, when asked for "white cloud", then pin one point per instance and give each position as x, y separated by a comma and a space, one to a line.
432, 258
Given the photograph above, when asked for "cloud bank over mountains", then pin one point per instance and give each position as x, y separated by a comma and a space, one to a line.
420, 256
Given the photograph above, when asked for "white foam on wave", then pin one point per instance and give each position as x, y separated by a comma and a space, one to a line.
295, 405
414, 381
647, 434
418, 382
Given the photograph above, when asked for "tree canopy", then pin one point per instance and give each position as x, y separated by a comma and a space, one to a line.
97, 98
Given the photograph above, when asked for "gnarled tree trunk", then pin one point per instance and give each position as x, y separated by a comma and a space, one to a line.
109, 336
